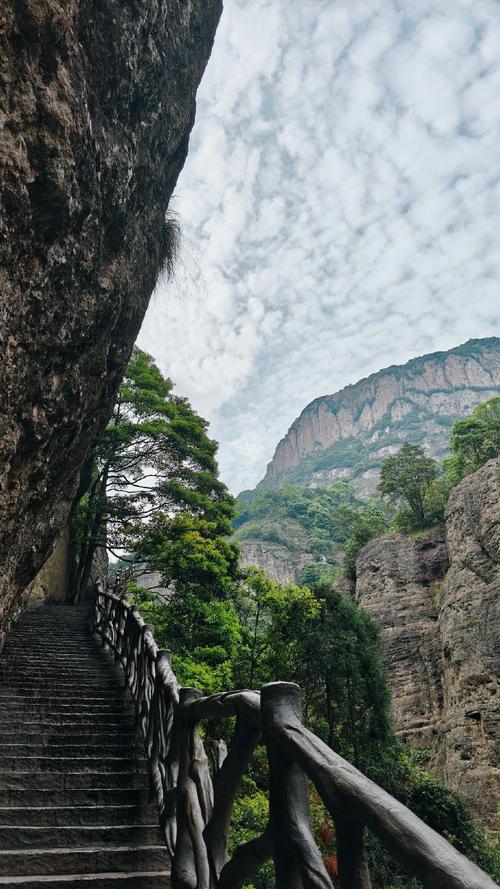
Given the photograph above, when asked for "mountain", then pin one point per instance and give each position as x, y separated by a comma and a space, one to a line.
344, 438
347, 435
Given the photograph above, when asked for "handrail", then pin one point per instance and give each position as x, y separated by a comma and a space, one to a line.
195, 809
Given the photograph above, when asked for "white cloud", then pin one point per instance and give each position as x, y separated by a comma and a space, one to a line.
340, 208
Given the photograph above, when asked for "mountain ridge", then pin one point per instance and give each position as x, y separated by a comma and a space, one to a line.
372, 412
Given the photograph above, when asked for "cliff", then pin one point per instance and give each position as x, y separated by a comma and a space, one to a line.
346, 435
437, 601
96, 105
275, 559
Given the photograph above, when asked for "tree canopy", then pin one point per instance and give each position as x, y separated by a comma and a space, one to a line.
406, 477
474, 440
153, 464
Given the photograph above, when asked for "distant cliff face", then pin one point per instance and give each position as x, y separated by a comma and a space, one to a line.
399, 582
96, 105
347, 435
275, 559
437, 602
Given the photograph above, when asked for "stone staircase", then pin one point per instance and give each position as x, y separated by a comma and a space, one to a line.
75, 800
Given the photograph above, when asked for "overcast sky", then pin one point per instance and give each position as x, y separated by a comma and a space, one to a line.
340, 208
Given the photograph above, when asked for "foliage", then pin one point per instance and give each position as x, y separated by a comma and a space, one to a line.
328, 645
445, 810
154, 457
474, 440
191, 553
407, 478
324, 521
250, 816
337, 665
372, 520
325, 513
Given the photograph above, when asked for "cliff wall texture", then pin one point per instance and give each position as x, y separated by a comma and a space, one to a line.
399, 581
96, 105
275, 559
346, 435
437, 601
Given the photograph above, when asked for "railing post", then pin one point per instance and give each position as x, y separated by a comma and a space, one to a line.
190, 867
351, 855
297, 860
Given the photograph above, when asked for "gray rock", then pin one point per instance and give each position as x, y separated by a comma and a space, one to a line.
97, 102
440, 627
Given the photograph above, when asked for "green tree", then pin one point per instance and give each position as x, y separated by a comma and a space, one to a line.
322, 640
371, 521
337, 664
154, 458
474, 440
405, 478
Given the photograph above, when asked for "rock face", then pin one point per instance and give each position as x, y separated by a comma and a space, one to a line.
470, 630
51, 582
96, 105
399, 581
438, 604
275, 559
346, 435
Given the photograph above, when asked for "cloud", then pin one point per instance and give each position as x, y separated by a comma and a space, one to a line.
339, 206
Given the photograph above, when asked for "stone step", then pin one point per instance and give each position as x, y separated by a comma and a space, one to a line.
21, 764
30, 648
69, 671
72, 780
71, 734
89, 658
76, 815
62, 750
80, 796
54, 686
32, 723
60, 861
149, 880
45, 696
33, 642
12, 709
37, 665
76, 803
84, 680
69, 836
57, 637
14, 702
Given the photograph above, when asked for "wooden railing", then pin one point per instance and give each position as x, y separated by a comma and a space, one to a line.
195, 809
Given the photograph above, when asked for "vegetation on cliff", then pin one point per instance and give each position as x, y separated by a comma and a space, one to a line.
332, 524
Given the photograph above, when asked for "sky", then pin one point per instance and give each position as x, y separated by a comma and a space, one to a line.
339, 207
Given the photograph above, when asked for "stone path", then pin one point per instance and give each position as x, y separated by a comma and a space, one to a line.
75, 801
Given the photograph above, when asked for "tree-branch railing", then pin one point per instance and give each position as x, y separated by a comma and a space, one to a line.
195, 806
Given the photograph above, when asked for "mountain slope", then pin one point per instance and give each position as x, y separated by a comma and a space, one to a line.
346, 435
344, 438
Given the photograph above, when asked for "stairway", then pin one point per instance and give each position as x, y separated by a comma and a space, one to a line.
75, 801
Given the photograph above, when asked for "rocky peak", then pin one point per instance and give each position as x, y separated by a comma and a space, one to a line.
346, 435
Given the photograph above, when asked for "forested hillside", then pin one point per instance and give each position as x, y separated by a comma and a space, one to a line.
330, 459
